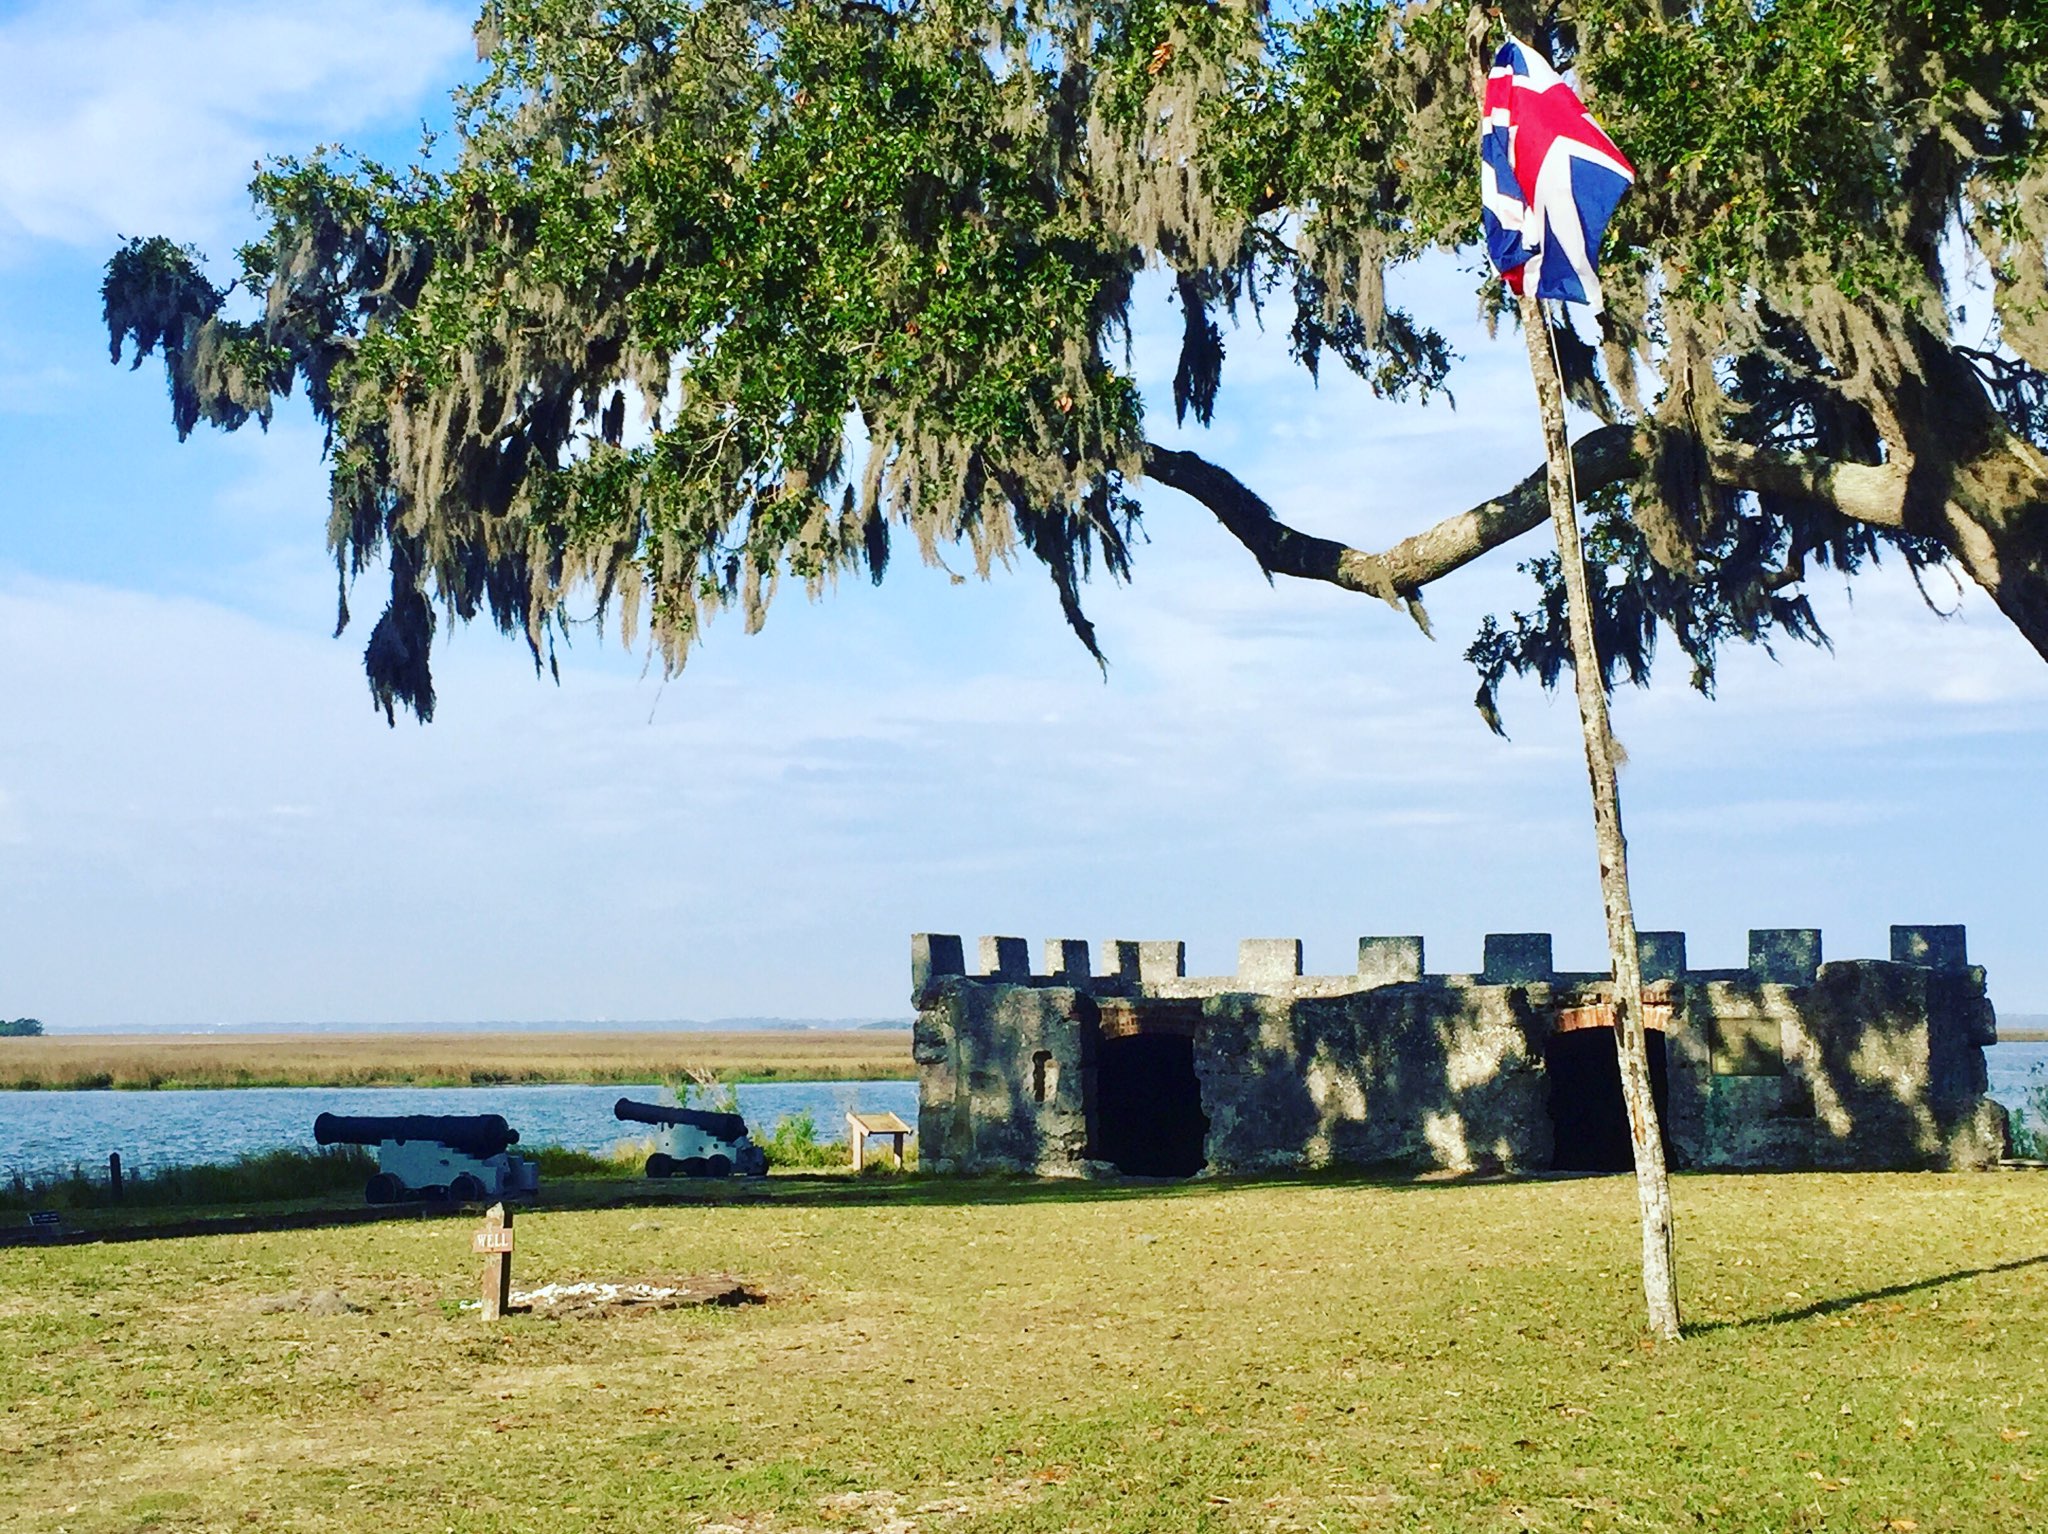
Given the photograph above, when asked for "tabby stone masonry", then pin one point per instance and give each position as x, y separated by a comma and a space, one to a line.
1144, 1070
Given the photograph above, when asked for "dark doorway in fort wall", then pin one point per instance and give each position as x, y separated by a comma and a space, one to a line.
1588, 1118
1147, 1117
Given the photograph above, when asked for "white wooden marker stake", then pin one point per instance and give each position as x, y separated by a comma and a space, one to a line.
495, 1242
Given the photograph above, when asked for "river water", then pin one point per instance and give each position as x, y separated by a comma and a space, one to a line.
2017, 1072
50, 1132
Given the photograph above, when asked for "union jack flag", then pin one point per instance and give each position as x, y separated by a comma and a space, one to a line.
1549, 178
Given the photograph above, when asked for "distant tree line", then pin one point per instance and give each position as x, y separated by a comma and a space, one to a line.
20, 1028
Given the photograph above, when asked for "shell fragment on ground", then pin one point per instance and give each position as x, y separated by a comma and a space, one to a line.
613, 1298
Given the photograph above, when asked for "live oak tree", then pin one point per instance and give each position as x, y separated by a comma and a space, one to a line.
710, 296
718, 294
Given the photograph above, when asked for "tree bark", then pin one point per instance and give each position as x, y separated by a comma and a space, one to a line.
2005, 550
1603, 456
1991, 514
1653, 1181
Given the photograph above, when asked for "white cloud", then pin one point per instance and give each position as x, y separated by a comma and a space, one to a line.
201, 820
205, 791
127, 117
35, 389
208, 790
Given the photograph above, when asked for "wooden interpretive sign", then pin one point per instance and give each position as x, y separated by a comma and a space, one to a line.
859, 1126
495, 1242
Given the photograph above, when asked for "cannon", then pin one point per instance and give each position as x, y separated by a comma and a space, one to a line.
435, 1156
695, 1142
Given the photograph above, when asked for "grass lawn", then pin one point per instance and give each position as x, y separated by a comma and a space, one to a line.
1867, 1354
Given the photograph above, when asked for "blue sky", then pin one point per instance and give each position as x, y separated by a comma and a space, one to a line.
202, 820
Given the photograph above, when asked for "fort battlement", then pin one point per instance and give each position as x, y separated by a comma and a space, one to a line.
1273, 965
1140, 1068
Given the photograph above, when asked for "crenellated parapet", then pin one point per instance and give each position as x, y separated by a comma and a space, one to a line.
1273, 965
1091, 1061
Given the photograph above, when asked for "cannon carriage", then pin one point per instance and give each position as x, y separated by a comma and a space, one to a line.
435, 1156
695, 1142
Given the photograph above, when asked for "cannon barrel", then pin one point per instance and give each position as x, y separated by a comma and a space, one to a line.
723, 1126
481, 1135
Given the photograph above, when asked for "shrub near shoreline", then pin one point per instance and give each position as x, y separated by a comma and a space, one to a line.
791, 1146
286, 1175
273, 1176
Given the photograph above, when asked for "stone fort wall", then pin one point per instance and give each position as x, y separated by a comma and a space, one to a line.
1143, 1069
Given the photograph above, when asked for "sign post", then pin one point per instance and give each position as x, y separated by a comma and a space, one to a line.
494, 1241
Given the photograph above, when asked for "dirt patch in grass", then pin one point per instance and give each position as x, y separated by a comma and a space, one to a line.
886, 1512
320, 1302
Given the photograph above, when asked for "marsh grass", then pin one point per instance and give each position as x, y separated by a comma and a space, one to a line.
1018, 1358
154, 1061
267, 1177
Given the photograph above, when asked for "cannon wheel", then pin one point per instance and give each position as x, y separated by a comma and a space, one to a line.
718, 1166
383, 1189
695, 1166
468, 1188
661, 1165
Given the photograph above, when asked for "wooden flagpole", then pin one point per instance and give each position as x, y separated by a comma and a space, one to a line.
1653, 1179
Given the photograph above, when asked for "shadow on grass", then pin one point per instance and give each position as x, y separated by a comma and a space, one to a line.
582, 1195
574, 1195
956, 1192
1846, 1302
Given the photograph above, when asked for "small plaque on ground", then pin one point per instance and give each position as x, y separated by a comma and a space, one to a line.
45, 1217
